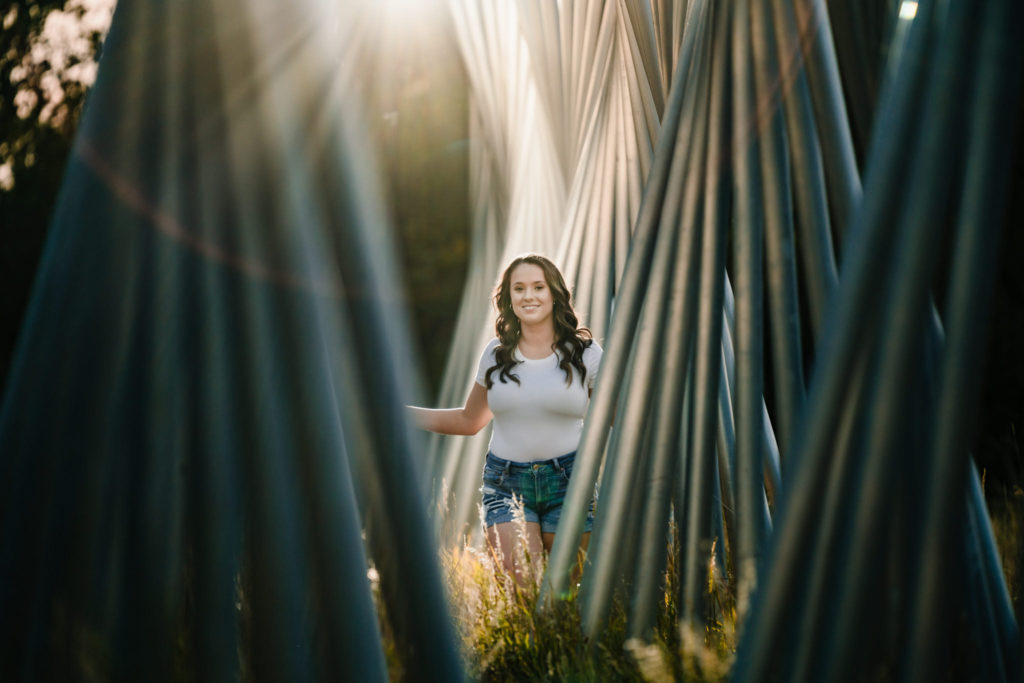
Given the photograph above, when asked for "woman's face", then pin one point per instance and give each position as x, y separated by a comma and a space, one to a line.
531, 297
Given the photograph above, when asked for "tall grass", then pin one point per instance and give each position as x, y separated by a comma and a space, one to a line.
1007, 515
504, 638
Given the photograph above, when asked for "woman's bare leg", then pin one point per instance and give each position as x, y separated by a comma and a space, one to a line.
506, 537
549, 540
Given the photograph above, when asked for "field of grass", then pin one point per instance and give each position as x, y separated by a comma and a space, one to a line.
503, 637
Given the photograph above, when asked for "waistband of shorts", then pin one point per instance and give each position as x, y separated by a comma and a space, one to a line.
511, 465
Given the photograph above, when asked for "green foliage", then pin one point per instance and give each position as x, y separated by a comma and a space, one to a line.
504, 638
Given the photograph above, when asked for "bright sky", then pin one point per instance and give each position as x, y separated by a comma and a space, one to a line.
908, 10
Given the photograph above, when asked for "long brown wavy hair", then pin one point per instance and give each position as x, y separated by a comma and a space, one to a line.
570, 338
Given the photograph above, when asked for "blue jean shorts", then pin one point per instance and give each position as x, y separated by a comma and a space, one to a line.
541, 485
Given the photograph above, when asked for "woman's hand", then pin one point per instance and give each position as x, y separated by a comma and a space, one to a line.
465, 421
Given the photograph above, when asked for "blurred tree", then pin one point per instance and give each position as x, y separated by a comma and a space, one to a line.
418, 101
48, 61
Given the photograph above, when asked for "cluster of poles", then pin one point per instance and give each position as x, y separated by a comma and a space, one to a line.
202, 441
203, 445
785, 388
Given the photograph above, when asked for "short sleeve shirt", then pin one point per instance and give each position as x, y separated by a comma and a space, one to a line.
541, 417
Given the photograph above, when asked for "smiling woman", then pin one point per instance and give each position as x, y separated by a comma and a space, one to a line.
534, 379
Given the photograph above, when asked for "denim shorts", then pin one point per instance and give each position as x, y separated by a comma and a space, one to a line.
541, 485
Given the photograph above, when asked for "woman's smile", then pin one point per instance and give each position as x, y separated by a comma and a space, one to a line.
531, 296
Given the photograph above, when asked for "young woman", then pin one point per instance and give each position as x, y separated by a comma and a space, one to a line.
535, 381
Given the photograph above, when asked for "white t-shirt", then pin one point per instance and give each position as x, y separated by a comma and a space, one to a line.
541, 417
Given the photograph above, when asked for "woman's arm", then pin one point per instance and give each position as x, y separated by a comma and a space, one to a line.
467, 420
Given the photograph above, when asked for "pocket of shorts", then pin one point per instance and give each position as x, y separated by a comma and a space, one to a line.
494, 475
565, 470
